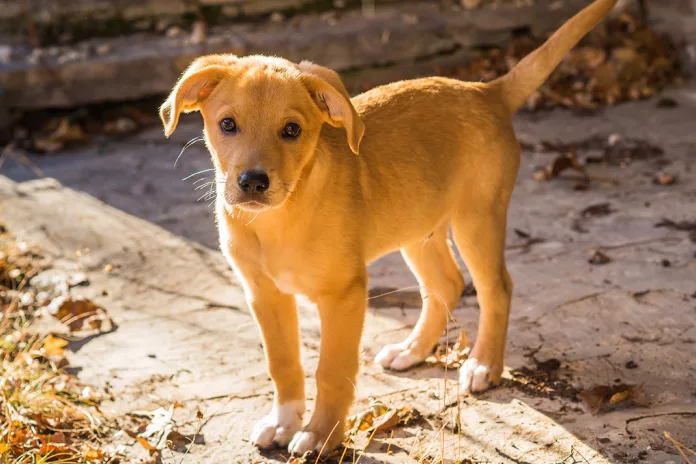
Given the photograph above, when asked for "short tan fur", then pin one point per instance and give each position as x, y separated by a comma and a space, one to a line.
393, 168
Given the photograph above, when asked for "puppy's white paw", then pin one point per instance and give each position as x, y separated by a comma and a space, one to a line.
304, 441
279, 426
474, 376
398, 357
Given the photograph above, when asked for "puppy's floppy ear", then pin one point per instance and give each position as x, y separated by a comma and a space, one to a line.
197, 82
333, 100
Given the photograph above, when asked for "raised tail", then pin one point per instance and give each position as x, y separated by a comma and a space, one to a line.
517, 85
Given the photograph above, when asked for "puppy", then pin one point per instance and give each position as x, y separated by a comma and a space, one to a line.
312, 186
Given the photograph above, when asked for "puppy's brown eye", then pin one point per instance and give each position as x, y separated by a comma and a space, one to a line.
228, 125
291, 130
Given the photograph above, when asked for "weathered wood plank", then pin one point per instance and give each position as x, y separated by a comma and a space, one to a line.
144, 65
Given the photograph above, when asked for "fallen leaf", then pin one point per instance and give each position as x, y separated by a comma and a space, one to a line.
90, 453
664, 179
451, 356
80, 314
53, 346
148, 447
177, 441
522, 234
602, 396
560, 164
599, 258
63, 134
598, 210
160, 427
379, 418
622, 60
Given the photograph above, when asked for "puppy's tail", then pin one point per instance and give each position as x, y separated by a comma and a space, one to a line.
517, 85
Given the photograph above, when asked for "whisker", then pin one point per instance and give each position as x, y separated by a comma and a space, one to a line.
252, 220
196, 173
188, 144
203, 196
203, 185
200, 180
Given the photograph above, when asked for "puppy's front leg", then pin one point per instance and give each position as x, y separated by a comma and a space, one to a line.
276, 315
342, 317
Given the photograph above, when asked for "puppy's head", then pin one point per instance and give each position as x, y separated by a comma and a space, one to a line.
262, 118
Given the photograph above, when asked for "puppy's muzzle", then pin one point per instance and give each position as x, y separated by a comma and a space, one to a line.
253, 181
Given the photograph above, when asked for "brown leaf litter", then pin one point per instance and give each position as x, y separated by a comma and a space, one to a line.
80, 314
560, 164
623, 59
613, 150
542, 380
46, 415
451, 356
602, 397
380, 418
156, 430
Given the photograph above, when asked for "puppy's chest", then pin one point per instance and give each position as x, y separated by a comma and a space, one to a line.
290, 267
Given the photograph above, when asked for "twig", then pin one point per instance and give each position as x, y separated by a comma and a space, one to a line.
679, 447
21, 158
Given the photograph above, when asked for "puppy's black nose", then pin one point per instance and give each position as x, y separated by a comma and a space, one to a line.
254, 181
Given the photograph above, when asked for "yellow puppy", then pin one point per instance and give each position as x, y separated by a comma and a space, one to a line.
303, 207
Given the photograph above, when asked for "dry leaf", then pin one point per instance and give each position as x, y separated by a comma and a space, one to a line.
560, 164
145, 444
451, 356
160, 427
53, 346
623, 60
599, 258
603, 396
600, 209
379, 418
90, 453
386, 422
664, 179
80, 314
68, 133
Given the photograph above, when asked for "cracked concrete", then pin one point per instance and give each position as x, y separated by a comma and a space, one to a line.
185, 333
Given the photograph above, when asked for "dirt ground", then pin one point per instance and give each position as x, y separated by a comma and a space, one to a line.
184, 333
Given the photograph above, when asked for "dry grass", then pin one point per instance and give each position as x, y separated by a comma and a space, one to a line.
46, 416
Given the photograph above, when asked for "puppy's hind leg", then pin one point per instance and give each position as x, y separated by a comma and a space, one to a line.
432, 262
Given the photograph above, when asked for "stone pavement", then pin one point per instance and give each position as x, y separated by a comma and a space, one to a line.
185, 334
